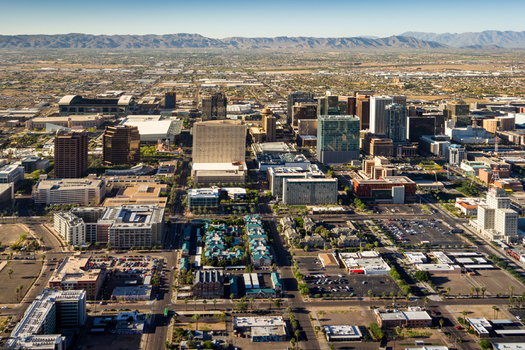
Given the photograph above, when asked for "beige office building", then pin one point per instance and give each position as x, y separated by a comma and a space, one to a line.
221, 141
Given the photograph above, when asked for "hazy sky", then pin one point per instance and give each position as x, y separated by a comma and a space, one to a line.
269, 18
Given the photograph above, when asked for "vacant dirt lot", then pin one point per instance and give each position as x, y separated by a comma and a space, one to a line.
24, 271
485, 311
9, 233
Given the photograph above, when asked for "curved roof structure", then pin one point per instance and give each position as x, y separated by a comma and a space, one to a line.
66, 100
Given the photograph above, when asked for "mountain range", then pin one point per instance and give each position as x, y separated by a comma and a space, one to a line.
189, 41
488, 38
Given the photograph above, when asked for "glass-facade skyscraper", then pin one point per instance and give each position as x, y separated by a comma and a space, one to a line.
337, 138
396, 122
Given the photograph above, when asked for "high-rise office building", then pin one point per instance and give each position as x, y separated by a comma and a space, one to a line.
460, 112
296, 96
396, 122
121, 145
221, 141
337, 139
331, 105
420, 126
214, 107
377, 113
170, 99
269, 125
71, 154
350, 104
362, 110
303, 110
456, 154
400, 100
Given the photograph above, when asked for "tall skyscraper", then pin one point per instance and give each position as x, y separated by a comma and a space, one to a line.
396, 122
121, 145
297, 96
170, 99
71, 154
269, 125
331, 105
377, 113
303, 110
420, 126
214, 107
460, 112
350, 103
337, 138
362, 110
221, 141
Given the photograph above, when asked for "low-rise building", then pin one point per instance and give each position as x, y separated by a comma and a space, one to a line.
310, 191
366, 262
343, 333
413, 319
208, 284
145, 194
33, 163
71, 228
263, 329
203, 198
76, 273
138, 293
469, 206
481, 326
11, 173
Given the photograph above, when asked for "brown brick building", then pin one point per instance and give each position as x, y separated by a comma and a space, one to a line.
71, 154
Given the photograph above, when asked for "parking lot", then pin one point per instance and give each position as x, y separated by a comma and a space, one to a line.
420, 231
23, 273
339, 282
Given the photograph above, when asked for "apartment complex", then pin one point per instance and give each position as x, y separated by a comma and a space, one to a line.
71, 154
69, 191
496, 220
75, 273
396, 122
337, 139
71, 228
122, 227
49, 312
121, 145
378, 113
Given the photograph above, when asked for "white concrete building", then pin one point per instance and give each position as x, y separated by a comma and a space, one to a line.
377, 113
496, 220
69, 191
71, 228
11, 173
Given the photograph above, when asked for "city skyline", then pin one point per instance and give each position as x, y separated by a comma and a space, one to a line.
246, 19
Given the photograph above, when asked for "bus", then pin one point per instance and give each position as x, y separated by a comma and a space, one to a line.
457, 231
166, 312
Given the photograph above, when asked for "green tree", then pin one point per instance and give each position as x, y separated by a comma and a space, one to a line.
9, 272
485, 344
196, 318
186, 303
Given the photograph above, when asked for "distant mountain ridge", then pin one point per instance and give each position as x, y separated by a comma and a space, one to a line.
505, 39
188, 41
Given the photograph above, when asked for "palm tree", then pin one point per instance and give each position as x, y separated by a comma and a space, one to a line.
252, 299
195, 303
511, 290
448, 291
10, 272
426, 300
472, 289
441, 321
16, 291
370, 293
519, 300
497, 312
21, 287
477, 292
407, 299
204, 302
277, 304
511, 300
214, 301
186, 303
270, 299
196, 317
494, 307
483, 290
464, 313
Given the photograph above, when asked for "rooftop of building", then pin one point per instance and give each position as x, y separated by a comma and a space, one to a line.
57, 184
133, 214
272, 147
402, 315
75, 269
264, 321
343, 330
204, 192
218, 166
